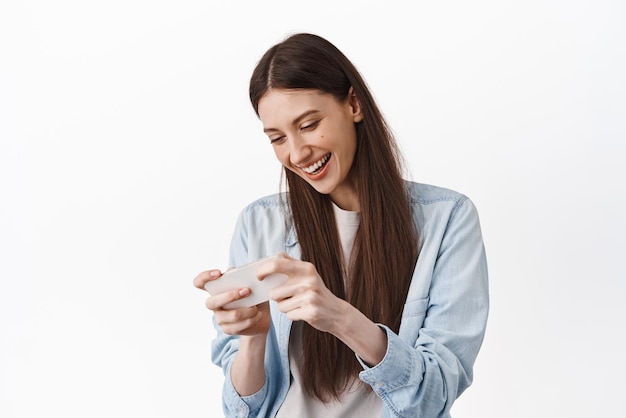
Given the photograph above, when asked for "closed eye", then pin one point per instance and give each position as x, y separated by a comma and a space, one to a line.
310, 126
276, 140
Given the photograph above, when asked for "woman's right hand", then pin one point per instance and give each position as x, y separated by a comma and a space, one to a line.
251, 321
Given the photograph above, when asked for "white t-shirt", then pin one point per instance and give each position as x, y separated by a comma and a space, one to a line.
354, 402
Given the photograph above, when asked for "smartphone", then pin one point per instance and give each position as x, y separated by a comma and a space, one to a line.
245, 276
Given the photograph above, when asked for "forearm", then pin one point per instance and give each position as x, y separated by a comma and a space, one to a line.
364, 337
248, 370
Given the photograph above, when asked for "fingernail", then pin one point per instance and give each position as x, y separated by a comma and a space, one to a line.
243, 292
214, 273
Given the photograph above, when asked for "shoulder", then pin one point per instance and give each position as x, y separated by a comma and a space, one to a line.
427, 194
261, 229
266, 214
435, 207
274, 205
276, 200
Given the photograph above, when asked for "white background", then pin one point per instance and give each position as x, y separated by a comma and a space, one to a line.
128, 146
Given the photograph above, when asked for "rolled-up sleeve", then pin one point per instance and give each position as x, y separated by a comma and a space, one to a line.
257, 234
225, 347
425, 377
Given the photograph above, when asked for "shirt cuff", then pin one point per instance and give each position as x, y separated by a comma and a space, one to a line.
241, 406
396, 367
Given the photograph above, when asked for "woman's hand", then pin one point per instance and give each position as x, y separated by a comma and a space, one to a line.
247, 372
251, 321
304, 297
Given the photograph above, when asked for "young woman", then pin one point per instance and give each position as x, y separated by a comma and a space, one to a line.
386, 301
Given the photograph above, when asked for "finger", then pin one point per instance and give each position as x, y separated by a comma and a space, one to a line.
218, 301
289, 298
295, 314
287, 290
238, 327
286, 305
286, 265
206, 276
233, 316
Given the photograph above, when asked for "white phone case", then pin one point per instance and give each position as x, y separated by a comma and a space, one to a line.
245, 276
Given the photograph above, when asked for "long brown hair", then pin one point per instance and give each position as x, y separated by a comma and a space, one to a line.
385, 247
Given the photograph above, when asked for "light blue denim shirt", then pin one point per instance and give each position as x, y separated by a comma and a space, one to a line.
428, 364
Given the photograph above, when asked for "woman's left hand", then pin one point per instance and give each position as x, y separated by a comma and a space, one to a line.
305, 297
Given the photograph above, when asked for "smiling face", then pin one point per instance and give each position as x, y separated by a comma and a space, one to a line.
314, 135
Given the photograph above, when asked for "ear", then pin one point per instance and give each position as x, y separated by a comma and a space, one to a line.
355, 106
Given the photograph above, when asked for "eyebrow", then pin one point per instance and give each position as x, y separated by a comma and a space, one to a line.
295, 121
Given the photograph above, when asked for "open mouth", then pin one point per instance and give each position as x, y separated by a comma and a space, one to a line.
317, 166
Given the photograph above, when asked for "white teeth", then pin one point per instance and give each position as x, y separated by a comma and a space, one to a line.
316, 166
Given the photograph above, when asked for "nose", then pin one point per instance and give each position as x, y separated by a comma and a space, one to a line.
300, 151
